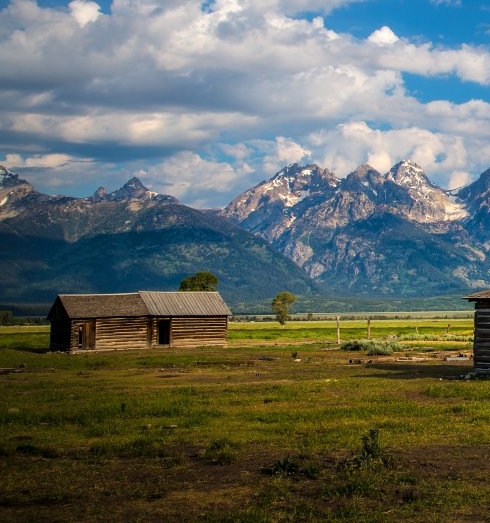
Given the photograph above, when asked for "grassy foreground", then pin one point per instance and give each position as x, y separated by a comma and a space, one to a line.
279, 427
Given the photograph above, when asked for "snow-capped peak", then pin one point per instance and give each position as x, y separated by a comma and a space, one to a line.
408, 174
5, 173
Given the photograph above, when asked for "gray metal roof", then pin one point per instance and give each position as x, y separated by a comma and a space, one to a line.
143, 303
185, 303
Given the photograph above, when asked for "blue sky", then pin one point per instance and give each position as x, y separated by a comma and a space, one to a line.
202, 100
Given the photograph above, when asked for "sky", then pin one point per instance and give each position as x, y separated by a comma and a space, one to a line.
202, 100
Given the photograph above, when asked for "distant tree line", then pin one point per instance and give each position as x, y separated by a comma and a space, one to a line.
7, 318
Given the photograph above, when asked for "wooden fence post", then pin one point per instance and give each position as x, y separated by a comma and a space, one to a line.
338, 329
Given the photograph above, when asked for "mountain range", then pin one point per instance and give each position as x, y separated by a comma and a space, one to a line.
379, 236
131, 239
394, 234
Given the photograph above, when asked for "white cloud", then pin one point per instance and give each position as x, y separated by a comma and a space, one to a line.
50, 161
285, 151
239, 151
442, 156
84, 12
458, 179
241, 80
127, 128
188, 175
383, 36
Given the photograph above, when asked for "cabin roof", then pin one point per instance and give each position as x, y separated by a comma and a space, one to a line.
483, 295
184, 303
142, 303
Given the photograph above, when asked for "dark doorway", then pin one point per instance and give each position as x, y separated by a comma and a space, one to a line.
164, 332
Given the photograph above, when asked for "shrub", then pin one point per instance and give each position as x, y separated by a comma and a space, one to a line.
373, 348
371, 455
380, 350
356, 345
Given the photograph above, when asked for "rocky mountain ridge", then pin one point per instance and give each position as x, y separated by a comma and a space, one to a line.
127, 240
394, 234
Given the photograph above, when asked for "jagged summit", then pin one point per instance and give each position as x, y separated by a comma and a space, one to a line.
17, 197
352, 229
129, 240
131, 190
99, 195
8, 178
362, 179
15, 194
477, 191
408, 173
273, 205
391, 234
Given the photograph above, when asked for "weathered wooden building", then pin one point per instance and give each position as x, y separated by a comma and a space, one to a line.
141, 320
481, 344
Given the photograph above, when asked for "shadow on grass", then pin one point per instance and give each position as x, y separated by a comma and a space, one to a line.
33, 350
407, 371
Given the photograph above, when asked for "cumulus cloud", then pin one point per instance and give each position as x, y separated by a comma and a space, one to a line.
205, 99
188, 174
383, 36
84, 12
284, 151
458, 179
444, 157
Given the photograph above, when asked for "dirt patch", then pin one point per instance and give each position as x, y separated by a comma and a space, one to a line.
195, 489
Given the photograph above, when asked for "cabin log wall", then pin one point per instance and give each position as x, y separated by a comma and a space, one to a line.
481, 344
194, 332
114, 334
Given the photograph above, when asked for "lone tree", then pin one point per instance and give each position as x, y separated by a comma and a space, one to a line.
281, 304
201, 281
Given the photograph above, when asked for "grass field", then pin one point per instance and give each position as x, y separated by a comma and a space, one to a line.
281, 426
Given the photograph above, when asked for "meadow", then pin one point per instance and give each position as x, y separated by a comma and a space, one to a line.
281, 426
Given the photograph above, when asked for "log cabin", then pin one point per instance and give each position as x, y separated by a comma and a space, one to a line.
481, 343
140, 320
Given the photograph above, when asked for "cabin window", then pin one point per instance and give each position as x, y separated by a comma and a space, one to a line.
163, 332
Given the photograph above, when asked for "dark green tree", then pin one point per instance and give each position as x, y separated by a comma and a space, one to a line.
201, 281
6, 318
281, 304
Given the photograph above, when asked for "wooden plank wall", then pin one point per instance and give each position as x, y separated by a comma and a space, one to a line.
115, 333
138, 333
481, 346
194, 332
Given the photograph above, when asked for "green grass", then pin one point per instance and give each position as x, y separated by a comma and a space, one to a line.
34, 338
351, 329
247, 433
